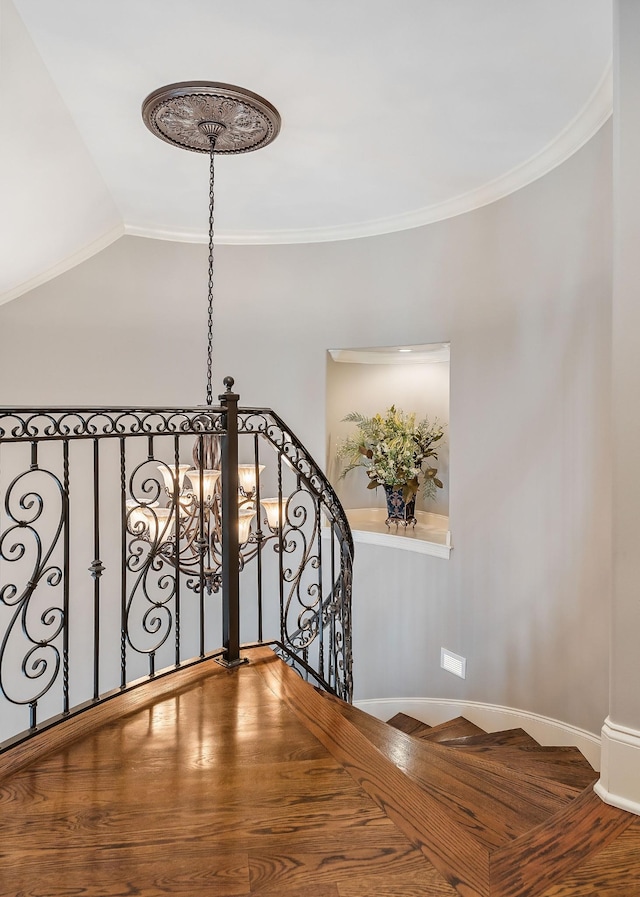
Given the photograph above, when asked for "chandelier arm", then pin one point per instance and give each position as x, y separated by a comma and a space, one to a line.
212, 141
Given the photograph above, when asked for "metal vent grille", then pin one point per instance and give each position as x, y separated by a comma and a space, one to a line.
453, 663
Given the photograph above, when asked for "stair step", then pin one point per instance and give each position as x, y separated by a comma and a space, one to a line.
408, 724
490, 830
565, 765
494, 803
513, 737
453, 728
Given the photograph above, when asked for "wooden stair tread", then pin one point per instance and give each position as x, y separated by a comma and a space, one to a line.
559, 764
202, 793
521, 867
454, 851
549, 851
494, 803
503, 737
277, 791
408, 724
453, 728
613, 871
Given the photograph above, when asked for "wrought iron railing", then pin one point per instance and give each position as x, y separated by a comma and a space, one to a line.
117, 563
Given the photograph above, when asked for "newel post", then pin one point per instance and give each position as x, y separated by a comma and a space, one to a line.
230, 535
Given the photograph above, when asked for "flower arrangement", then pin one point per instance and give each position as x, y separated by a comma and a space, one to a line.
393, 449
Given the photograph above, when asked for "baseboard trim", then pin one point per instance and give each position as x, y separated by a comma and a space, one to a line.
619, 783
490, 717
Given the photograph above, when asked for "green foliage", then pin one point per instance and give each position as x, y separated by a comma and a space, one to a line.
393, 450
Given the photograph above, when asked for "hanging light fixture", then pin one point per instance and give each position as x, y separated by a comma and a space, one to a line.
213, 118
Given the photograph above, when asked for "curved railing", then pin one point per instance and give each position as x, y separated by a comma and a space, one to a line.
134, 542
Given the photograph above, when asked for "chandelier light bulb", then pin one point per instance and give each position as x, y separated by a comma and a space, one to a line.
209, 480
247, 477
273, 510
137, 520
244, 525
159, 524
169, 476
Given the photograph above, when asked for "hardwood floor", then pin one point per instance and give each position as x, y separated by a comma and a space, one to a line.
218, 788
215, 790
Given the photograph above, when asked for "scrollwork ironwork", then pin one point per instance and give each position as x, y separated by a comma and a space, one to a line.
31, 630
149, 617
168, 531
42, 424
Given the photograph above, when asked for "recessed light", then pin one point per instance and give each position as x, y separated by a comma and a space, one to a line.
404, 350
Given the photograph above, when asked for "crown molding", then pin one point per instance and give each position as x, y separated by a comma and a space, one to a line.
596, 111
65, 264
435, 353
573, 137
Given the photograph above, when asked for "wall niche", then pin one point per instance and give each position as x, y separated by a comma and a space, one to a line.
414, 378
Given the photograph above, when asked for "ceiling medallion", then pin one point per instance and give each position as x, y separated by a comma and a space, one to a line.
190, 113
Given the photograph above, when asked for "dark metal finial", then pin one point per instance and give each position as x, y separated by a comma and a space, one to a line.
228, 382
212, 129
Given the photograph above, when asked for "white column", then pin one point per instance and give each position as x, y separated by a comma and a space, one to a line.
620, 776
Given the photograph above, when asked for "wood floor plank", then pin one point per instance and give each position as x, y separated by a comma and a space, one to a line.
235, 785
612, 872
97, 784
301, 830
320, 890
79, 726
279, 805
549, 852
185, 872
172, 801
420, 817
271, 872
268, 782
424, 883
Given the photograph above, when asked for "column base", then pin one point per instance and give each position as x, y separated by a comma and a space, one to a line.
230, 665
619, 783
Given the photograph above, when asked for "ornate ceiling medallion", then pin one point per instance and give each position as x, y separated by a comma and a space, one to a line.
188, 114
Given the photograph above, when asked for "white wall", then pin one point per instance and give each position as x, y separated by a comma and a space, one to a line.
626, 370
522, 290
56, 208
620, 780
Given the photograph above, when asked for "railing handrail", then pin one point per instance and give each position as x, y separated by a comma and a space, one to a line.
323, 601
27, 409
42, 424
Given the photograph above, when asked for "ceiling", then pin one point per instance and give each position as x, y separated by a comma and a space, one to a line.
394, 114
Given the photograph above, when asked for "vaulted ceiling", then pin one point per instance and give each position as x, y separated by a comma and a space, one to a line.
393, 115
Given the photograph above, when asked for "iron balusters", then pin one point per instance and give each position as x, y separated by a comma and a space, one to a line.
116, 567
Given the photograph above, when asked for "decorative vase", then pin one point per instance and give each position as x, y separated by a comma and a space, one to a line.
399, 511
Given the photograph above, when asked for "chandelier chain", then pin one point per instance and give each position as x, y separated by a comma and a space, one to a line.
211, 260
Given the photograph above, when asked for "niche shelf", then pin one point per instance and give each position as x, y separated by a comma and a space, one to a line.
430, 535
370, 380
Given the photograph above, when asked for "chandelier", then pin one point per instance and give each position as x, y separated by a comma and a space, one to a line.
207, 117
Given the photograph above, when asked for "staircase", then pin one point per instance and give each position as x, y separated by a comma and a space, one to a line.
251, 782
498, 814
513, 748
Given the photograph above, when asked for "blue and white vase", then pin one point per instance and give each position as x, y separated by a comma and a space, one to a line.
399, 511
